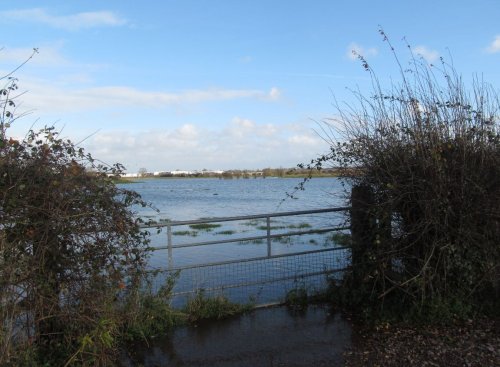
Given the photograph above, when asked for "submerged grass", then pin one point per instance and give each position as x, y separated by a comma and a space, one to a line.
204, 226
253, 222
264, 228
342, 239
185, 233
283, 240
252, 242
226, 233
289, 226
299, 226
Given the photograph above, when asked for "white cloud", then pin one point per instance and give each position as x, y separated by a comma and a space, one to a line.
305, 139
274, 94
354, 49
267, 130
494, 47
245, 128
68, 22
427, 54
240, 128
244, 123
187, 132
46, 96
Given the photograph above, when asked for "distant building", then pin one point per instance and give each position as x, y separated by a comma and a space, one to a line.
129, 175
180, 173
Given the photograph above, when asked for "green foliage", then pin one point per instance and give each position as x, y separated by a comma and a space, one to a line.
95, 346
428, 149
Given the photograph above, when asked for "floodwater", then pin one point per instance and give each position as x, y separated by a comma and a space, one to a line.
193, 198
275, 336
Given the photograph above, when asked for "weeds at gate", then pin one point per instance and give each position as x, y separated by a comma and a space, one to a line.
201, 307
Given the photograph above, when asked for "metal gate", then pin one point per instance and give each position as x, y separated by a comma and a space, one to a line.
279, 252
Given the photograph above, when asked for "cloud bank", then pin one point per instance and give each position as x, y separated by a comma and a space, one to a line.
48, 96
239, 144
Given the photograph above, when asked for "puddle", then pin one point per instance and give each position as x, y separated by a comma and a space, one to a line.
270, 337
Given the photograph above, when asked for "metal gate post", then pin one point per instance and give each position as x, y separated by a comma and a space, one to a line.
268, 236
169, 246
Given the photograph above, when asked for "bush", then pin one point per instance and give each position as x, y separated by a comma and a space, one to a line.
70, 249
428, 152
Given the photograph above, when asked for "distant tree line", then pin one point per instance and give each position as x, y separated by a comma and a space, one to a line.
236, 173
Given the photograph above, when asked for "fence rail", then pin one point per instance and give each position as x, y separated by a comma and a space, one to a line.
170, 246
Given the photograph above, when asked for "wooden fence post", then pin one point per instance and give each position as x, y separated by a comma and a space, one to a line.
363, 226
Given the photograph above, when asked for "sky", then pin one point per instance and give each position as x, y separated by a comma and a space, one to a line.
222, 84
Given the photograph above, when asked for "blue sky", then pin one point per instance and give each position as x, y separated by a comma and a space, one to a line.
221, 84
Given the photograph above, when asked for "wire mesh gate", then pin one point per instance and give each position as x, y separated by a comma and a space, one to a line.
256, 258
